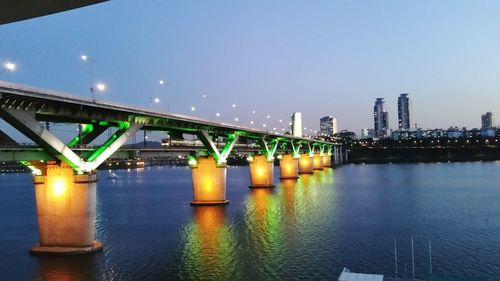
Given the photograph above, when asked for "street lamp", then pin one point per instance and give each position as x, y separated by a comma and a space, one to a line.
9, 66
93, 86
153, 100
101, 87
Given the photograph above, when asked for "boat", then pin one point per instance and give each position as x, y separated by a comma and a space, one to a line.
113, 176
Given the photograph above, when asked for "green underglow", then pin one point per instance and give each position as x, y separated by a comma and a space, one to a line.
192, 161
33, 169
121, 124
296, 150
103, 147
86, 129
269, 152
231, 138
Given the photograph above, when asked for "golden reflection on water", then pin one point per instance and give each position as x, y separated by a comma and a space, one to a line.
66, 268
209, 248
277, 223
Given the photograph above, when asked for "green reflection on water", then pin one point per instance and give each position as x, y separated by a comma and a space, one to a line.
209, 248
279, 224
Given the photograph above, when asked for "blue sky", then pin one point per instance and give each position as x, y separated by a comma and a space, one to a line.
275, 57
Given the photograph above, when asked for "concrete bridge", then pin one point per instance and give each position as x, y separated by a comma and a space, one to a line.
65, 176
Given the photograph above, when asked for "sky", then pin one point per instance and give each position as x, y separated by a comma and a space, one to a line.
275, 57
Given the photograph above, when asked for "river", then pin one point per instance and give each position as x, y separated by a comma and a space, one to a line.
306, 229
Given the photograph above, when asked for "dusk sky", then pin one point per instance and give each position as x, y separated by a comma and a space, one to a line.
275, 57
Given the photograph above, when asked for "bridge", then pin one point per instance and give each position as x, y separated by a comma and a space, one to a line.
64, 174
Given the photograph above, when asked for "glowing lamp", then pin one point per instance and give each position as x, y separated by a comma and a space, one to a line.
209, 182
261, 172
288, 167
305, 164
317, 162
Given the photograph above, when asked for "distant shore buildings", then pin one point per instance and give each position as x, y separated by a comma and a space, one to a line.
380, 119
328, 126
297, 124
404, 112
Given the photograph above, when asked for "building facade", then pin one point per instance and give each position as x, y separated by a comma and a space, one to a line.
297, 124
487, 120
328, 125
380, 118
404, 112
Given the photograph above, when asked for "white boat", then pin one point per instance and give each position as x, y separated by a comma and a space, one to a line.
113, 176
347, 275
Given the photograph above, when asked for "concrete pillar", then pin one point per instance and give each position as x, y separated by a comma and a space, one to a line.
66, 209
261, 171
346, 156
209, 182
335, 156
327, 160
317, 161
305, 164
289, 167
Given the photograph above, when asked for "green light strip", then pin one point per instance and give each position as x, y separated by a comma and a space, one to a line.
103, 147
34, 169
86, 129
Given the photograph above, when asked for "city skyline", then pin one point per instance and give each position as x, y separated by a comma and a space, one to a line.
324, 58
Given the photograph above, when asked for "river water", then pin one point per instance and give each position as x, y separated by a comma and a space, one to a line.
300, 230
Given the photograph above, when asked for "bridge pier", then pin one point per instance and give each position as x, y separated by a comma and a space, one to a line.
209, 181
261, 171
66, 210
327, 160
289, 167
305, 164
317, 161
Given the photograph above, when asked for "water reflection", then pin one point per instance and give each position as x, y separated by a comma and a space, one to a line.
67, 268
209, 246
263, 218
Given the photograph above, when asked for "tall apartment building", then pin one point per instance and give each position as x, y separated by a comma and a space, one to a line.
380, 118
328, 125
487, 120
404, 112
297, 124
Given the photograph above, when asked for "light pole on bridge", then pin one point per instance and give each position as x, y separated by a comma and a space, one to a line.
8, 67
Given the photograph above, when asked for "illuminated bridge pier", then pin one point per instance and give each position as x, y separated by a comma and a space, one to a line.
65, 176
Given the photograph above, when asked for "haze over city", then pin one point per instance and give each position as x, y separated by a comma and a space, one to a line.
321, 58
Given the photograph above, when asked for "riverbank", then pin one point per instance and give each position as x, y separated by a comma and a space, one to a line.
422, 154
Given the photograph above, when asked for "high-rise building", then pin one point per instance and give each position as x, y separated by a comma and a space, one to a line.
328, 125
487, 120
380, 118
404, 112
297, 124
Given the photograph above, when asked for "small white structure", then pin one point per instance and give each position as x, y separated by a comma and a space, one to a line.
346, 275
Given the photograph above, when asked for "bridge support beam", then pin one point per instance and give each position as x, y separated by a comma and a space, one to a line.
289, 167
66, 210
318, 161
305, 164
209, 181
261, 171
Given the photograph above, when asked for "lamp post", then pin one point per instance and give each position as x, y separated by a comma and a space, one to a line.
94, 86
162, 84
152, 101
8, 67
